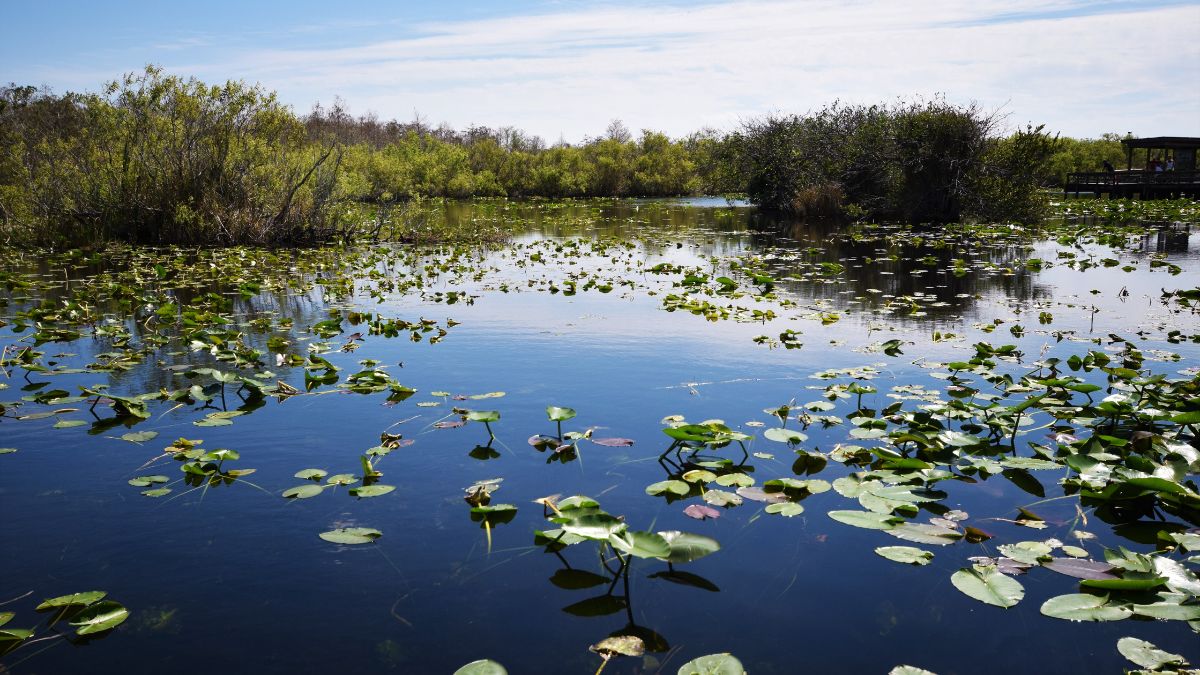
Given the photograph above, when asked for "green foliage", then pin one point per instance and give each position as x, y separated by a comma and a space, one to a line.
156, 158
1085, 154
920, 162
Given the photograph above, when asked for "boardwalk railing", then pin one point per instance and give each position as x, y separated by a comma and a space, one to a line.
1133, 178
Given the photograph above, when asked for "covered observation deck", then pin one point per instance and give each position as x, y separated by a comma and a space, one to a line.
1182, 181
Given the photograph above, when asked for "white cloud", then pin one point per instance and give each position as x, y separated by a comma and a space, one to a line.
680, 68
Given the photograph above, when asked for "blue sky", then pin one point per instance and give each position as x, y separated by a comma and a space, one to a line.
563, 69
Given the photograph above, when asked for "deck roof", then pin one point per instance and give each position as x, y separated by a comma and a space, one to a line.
1164, 142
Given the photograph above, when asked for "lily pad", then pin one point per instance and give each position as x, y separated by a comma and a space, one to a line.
988, 586
866, 519
99, 617
686, 547
85, 598
640, 544
1084, 607
482, 667
371, 490
713, 664
1146, 654
907, 555
351, 535
303, 491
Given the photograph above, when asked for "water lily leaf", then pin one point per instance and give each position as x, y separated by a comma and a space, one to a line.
686, 547
375, 490
5, 617
490, 394
785, 436
700, 512
303, 491
342, 479
910, 670
99, 617
139, 436
1075, 551
734, 480
146, 481
557, 414
157, 492
311, 474
760, 495
626, 645
675, 487
1179, 578
713, 664
14, 634
640, 544
787, 509
593, 525
7, 451
907, 555
1084, 607
722, 498
351, 535
1081, 569
85, 598
482, 667
866, 519
988, 586
483, 415
923, 533
699, 476
1130, 582
1171, 611
1146, 654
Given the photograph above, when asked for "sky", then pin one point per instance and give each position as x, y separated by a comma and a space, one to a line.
563, 69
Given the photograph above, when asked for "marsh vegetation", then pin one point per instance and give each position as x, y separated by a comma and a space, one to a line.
637, 436
160, 159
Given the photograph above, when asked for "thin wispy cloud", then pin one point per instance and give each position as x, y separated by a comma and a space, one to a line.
1081, 68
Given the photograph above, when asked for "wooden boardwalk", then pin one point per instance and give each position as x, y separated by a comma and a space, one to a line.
1141, 184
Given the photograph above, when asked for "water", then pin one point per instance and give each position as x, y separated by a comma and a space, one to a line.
235, 577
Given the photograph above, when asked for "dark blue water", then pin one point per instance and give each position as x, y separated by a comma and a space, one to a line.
235, 578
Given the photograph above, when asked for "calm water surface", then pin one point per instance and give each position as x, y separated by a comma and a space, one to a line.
235, 578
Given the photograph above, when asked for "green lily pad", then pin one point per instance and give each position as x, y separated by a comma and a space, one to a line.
303, 491
908, 555
988, 586
1084, 607
482, 667
371, 490
557, 414
139, 436
99, 617
85, 598
640, 544
1146, 654
351, 535
713, 664
786, 509
686, 547
866, 519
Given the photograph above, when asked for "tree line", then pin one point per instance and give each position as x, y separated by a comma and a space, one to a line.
158, 158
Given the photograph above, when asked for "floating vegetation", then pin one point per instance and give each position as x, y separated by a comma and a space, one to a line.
854, 405
89, 613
